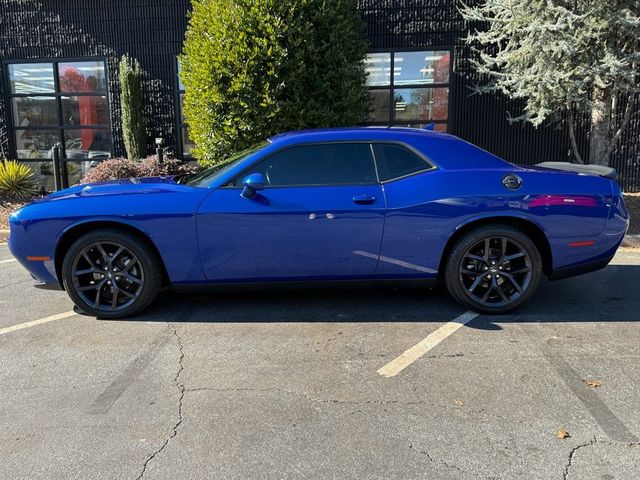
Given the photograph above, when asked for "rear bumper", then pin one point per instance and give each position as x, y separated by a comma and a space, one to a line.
574, 270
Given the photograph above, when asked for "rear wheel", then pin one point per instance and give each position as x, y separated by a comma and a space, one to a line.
111, 273
493, 269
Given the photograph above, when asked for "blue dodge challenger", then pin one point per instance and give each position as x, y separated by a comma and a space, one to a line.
355, 204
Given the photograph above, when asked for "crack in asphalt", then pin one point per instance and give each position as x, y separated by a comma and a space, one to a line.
573, 451
182, 390
591, 443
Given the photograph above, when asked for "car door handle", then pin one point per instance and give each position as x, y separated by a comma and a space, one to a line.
364, 199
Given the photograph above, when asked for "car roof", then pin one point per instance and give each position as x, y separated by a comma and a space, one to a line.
354, 133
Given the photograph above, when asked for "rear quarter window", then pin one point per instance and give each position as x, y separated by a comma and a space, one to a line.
395, 161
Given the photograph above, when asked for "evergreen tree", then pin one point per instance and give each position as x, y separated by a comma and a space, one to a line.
562, 57
132, 107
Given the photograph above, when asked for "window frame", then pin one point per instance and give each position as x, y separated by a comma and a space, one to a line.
230, 184
430, 166
391, 120
60, 128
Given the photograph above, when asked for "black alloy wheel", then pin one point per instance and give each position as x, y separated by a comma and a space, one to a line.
111, 273
493, 269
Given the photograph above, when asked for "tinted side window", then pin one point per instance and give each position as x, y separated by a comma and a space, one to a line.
321, 164
397, 161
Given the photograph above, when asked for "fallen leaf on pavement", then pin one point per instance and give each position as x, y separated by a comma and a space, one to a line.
459, 402
562, 433
592, 383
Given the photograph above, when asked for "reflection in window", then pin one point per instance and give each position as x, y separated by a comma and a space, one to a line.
31, 78
50, 101
419, 88
421, 104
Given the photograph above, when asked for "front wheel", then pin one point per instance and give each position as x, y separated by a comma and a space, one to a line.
493, 269
111, 273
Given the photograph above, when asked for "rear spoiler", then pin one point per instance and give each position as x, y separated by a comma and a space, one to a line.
600, 170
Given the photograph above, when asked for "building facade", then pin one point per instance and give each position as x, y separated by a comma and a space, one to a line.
59, 81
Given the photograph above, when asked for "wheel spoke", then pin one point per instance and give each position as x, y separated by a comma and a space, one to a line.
114, 297
475, 284
117, 254
477, 258
88, 259
501, 293
489, 290
91, 286
86, 270
513, 257
128, 294
520, 270
503, 244
102, 252
130, 277
487, 242
96, 304
129, 265
513, 282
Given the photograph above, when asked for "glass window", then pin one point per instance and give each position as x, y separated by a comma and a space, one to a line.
30, 111
378, 68
419, 88
35, 143
85, 110
76, 115
187, 143
413, 68
31, 78
86, 143
421, 103
397, 161
322, 164
82, 77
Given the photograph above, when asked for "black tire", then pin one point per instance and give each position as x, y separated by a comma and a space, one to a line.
107, 263
494, 279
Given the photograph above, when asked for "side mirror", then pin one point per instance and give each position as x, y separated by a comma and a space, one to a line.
252, 183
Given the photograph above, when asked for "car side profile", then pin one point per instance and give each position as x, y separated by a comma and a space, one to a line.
352, 204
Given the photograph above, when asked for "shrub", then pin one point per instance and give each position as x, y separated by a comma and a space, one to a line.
149, 167
17, 182
132, 106
111, 169
116, 168
252, 68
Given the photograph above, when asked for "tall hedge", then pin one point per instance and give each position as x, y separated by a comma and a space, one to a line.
132, 106
253, 68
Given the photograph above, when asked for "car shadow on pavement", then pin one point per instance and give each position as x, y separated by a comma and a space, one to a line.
610, 295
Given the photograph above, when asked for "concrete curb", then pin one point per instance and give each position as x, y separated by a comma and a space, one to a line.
631, 241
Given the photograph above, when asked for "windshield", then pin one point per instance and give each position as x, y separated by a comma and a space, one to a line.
211, 174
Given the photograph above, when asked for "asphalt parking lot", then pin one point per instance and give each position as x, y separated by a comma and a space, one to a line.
286, 385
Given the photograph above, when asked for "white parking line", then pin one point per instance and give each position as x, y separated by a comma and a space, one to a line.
33, 323
7, 261
398, 364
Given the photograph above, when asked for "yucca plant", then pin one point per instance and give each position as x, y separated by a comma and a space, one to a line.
17, 181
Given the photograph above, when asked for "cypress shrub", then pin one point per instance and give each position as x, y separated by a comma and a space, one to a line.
132, 106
